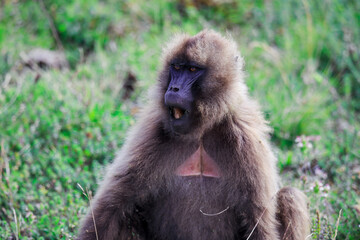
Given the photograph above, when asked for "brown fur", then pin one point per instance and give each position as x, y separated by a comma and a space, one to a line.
142, 198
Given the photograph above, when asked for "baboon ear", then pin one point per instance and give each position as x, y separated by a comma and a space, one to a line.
236, 58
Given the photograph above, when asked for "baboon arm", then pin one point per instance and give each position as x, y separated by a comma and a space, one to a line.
262, 224
108, 222
102, 225
112, 213
293, 214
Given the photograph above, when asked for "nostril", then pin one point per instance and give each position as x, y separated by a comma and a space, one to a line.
174, 89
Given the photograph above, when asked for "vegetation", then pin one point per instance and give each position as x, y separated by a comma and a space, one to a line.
59, 128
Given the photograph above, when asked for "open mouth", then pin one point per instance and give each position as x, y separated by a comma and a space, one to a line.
176, 113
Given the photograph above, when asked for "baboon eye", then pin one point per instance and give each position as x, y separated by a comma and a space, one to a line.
177, 67
193, 69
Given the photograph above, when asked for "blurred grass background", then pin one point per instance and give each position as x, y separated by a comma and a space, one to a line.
60, 127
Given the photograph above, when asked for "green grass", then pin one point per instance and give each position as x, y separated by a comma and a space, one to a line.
302, 64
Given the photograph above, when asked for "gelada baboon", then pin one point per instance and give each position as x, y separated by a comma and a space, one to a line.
198, 164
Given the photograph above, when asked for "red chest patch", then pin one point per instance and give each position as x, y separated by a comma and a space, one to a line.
199, 164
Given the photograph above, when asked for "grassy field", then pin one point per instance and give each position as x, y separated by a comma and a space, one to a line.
60, 128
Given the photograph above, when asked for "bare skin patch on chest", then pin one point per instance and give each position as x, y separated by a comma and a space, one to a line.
199, 164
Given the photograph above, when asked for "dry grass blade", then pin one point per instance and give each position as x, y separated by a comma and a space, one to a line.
87, 194
252, 231
309, 236
16, 225
337, 225
287, 228
214, 214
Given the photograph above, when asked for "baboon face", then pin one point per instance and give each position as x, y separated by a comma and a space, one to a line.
184, 81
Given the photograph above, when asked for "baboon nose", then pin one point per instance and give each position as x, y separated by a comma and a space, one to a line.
174, 89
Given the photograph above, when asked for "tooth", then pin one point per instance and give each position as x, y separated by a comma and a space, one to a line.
177, 113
